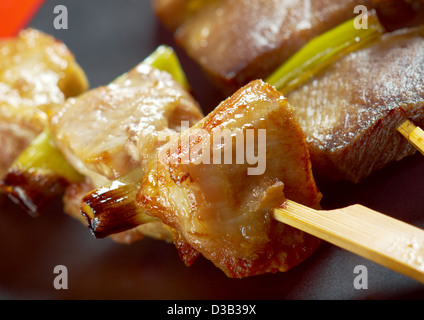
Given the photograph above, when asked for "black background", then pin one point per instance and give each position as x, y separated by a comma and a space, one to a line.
108, 38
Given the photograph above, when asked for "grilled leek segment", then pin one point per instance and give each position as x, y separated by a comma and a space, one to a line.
322, 51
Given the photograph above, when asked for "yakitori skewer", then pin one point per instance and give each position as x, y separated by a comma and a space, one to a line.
355, 232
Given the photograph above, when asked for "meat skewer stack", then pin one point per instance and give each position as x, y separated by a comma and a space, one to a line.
340, 118
132, 182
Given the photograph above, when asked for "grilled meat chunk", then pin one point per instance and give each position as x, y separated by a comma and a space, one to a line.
350, 111
111, 130
173, 13
236, 41
220, 208
37, 73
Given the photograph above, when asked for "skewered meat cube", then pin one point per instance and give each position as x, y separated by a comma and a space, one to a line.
350, 111
37, 73
237, 41
111, 130
222, 211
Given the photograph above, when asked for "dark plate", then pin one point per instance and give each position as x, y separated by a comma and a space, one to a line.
108, 38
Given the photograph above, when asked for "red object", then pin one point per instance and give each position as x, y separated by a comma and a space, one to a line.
16, 14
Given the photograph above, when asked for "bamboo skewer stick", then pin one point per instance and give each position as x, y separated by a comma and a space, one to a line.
414, 134
384, 240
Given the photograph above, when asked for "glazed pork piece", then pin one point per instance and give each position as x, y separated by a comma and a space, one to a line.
222, 209
236, 41
37, 73
350, 111
112, 131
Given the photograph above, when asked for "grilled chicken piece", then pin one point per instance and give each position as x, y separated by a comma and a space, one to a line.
37, 73
111, 130
236, 41
223, 211
350, 112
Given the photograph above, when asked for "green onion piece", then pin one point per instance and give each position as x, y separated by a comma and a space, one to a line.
323, 50
164, 58
38, 175
44, 156
112, 208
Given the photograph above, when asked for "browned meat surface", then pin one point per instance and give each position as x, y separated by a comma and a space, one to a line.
172, 13
223, 211
236, 41
395, 14
350, 112
37, 72
111, 130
